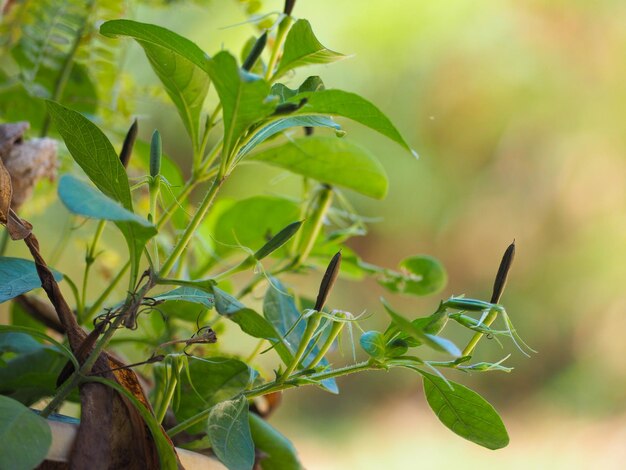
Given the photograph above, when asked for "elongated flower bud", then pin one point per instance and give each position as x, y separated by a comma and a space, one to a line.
289, 4
330, 276
129, 143
155, 154
255, 52
503, 272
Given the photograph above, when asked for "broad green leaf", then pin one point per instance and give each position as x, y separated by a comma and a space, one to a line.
330, 160
94, 153
18, 276
420, 275
465, 412
374, 344
244, 98
284, 93
32, 376
179, 63
25, 437
279, 125
351, 106
213, 380
247, 222
229, 431
415, 332
18, 343
280, 454
82, 199
303, 48
165, 448
280, 310
187, 294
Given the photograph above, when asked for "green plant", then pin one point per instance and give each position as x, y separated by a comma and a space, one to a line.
180, 295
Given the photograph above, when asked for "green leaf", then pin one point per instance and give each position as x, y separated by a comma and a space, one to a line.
413, 331
280, 454
279, 125
229, 431
421, 275
165, 448
94, 153
18, 343
330, 160
179, 63
82, 199
303, 48
465, 412
284, 93
187, 294
247, 222
244, 98
351, 106
18, 276
277, 241
374, 344
25, 437
213, 380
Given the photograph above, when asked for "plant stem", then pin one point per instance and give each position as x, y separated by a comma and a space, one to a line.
90, 258
169, 392
275, 386
313, 226
283, 28
312, 323
105, 295
493, 313
334, 332
192, 226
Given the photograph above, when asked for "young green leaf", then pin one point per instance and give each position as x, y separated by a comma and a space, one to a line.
93, 152
25, 437
277, 240
413, 331
303, 48
330, 160
465, 412
243, 98
187, 294
374, 344
179, 63
229, 431
208, 382
420, 275
18, 276
279, 452
82, 199
351, 106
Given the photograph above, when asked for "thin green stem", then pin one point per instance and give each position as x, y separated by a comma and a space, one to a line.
313, 226
491, 317
105, 294
332, 336
182, 243
283, 28
312, 323
169, 391
90, 258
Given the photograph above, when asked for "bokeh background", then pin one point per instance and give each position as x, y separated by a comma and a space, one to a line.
518, 112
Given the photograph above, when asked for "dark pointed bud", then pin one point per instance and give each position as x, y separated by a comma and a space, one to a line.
289, 4
255, 52
308, 131
129, 143
155, 154
503, 272
330, 276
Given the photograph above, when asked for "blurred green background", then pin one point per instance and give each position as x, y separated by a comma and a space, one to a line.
518, 112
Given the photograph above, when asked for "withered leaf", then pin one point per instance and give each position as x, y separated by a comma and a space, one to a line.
6, 192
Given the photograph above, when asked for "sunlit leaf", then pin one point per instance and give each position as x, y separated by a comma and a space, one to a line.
187, 294
465, 412
25, 437
229, 431
330, 160
419, 275
373, 343
303, 48
179, 63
